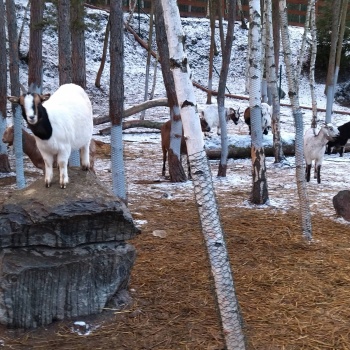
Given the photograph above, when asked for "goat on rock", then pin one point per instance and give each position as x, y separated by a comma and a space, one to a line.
340, 140
315, 146
60, 123
210, 116
266, 115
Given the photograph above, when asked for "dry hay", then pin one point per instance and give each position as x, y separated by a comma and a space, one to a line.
293, 295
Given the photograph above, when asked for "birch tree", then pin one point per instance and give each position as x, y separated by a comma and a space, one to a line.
116, 97
299, 127
4, 161
202, 182
272, 85
259, 190
226, 57
176, 171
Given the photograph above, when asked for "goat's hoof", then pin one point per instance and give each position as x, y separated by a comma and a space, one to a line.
63, 186
47, 185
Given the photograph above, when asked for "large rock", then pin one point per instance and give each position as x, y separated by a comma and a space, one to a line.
341, 203
63, 252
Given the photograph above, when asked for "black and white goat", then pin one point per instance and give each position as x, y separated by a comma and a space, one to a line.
60, 123
315, 146
340, 140
266, 115
210, 116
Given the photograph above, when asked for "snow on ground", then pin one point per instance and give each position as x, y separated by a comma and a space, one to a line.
281, 178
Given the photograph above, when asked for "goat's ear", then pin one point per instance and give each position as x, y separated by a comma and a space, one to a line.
13, 99
44, 97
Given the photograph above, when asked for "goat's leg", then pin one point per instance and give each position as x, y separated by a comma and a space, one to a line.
341, 151
164, 161
307, 172
48, 159
189, 168
318, 172
84, 156
62, 162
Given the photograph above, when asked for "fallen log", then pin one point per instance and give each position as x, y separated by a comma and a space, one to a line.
134, 124
134, 109
237, 152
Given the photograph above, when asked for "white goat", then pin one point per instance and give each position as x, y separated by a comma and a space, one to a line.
60, 123
315, 146
210, 115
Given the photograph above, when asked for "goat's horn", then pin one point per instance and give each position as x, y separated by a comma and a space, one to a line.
24, 90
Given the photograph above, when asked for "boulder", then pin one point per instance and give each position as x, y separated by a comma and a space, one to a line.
341, 203
62, 251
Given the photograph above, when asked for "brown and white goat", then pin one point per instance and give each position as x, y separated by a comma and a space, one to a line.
165, 139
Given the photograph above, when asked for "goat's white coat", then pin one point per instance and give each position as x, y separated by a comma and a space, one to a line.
211, 114
70, 114
266, 112
315, 144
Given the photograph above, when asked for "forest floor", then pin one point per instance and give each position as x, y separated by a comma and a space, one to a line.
292, 294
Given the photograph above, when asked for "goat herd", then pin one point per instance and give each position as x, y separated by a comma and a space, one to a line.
64, 121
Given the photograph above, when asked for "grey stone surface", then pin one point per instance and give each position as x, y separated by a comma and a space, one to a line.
63, 252
84, 212
341, 203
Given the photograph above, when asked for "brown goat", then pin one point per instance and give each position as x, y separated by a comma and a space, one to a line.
31, 150
165, 138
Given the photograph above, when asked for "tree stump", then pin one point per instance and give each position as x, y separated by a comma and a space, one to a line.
63, 251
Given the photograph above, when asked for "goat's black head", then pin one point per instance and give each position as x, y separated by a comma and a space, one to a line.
233, 115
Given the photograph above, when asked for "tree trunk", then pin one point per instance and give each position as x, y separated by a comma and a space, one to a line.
202, 182
4, 161
299, 132
312, 62
149, 54
78, 43
176, 171
344, 11
104, 54
212, 49
276, 27
116, 97
329, 89
64, 43
35, 67
272, 86
259, 191
14, 82
226, 57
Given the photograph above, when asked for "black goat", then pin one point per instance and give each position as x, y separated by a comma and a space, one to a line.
340, 140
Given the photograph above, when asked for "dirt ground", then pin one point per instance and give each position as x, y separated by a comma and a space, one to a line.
293, 295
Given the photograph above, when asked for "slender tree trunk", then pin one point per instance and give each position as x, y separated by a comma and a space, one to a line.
176, 170
259, 190
221, 26
226, 57
4, 161
276, 28
104, 55
202, 182
312, 63
14, 81
149, 54
299, 132
212, 49
25, 19
116, 98
344, 11
78, 43
272, 86
64, 42
329, 89
35, 67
